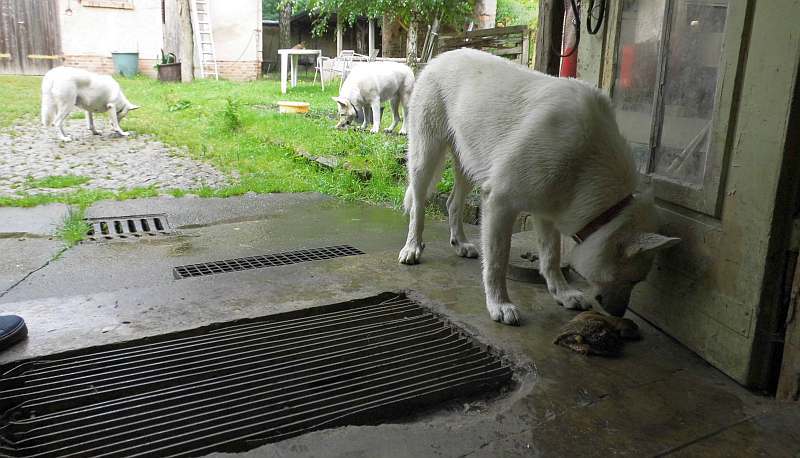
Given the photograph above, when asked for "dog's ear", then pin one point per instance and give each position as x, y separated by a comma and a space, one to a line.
648, 242
133, 107
340, 101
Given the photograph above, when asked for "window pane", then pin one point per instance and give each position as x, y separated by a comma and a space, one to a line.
696, 34
640, 34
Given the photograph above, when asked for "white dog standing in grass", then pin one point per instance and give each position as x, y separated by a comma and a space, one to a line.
371, 84
531, 142
64, 88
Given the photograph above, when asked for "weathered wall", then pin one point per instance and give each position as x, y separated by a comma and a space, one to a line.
92, 33
237, 38
96, 31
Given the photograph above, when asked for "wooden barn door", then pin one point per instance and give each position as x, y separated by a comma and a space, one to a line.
30, 38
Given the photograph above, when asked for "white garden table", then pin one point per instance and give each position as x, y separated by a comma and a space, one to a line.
295, 55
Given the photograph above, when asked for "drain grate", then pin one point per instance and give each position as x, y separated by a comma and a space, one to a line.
234, 386
126, 227
269, 260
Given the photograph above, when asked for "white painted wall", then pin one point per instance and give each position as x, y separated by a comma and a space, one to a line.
101, 31
237, 29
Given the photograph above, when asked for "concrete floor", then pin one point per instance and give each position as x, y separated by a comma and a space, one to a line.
657, 399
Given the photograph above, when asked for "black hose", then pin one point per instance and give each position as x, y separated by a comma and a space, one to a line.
600, 17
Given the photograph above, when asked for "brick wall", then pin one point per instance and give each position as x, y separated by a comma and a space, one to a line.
104, 65
238, 70
229, 70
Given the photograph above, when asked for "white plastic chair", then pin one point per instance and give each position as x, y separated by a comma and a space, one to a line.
320, 68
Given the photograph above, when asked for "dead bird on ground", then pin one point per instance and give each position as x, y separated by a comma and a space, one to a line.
592, 333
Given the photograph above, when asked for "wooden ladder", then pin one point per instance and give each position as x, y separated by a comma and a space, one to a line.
204, 37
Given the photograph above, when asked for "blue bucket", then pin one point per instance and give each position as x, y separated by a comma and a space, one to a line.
126, 63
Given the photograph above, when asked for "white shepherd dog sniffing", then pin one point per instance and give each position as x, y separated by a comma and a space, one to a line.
64, 88
531, 142
371, 84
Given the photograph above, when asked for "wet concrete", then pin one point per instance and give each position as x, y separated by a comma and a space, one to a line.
658, 398
41, 221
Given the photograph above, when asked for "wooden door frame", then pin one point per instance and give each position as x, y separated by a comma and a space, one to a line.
788, 322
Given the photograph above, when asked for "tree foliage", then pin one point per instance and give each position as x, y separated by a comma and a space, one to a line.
449, 11
518, 12
270, 9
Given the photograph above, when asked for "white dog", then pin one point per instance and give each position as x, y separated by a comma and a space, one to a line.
371, 84
64, 88
534, 143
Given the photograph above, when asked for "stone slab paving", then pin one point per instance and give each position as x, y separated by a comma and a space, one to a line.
111, 161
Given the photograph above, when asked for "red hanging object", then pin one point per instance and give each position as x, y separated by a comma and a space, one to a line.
569, 65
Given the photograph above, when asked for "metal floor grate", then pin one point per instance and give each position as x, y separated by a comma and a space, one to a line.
234, 386
269, 260
128, 227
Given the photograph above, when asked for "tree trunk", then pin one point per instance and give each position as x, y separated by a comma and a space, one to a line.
285, 25
411, 42
485, 13
391, 38
186, 41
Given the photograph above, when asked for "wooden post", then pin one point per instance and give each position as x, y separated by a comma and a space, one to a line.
186, 41
411, 42
371, 38
548, 37
339, 38
285, 27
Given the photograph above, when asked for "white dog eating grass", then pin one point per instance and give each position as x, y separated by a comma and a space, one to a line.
64, 88
371, 84
534, 143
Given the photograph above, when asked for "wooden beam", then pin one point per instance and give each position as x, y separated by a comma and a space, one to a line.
789, 379
186, 41
548, 37
42, 57
339, 37
371, 38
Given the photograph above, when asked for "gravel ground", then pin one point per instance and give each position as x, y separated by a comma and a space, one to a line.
111, 161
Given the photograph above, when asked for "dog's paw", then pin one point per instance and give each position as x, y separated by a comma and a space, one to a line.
123, 134
65, 139
465, 250
94, 132
403, 131
505, 313
411, 253
572, 299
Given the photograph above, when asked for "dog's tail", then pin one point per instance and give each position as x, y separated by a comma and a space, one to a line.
47, 102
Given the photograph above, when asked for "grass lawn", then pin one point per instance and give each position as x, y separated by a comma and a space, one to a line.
236, 126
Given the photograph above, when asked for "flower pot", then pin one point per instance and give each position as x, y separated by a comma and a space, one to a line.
169, 72
126, 63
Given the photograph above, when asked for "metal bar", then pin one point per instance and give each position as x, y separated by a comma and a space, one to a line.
220, 407
124, 379
232, 387
390, 304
